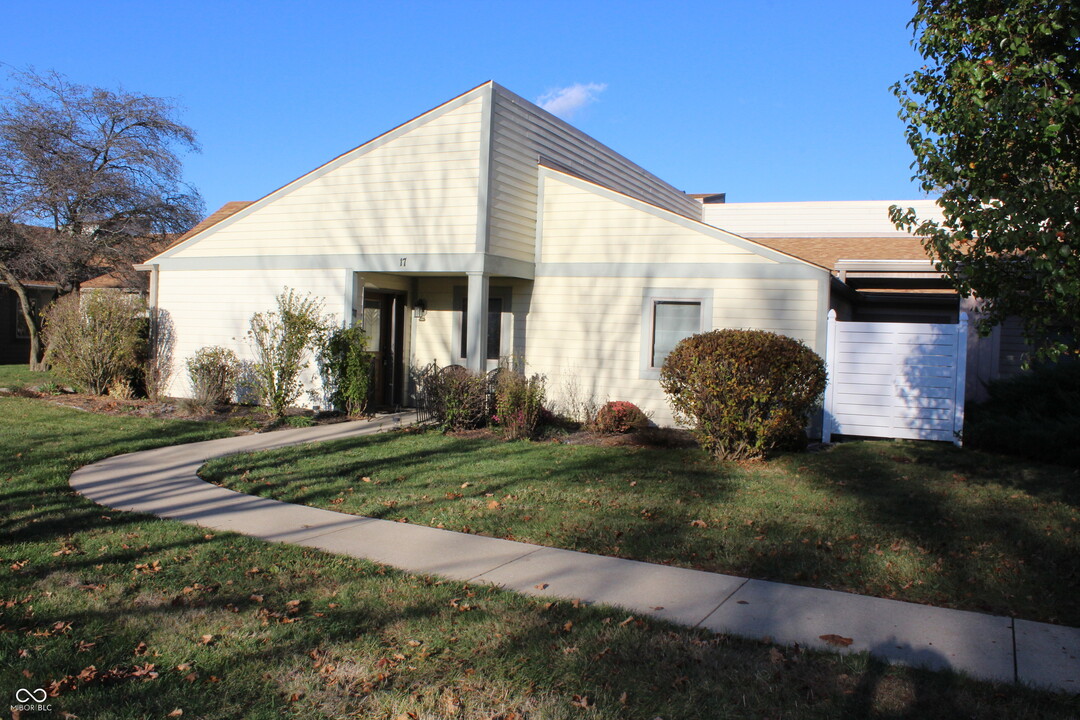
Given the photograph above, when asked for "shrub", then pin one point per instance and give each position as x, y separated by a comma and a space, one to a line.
95, 340
213, 372
283, 341
743, 392
619, 416
518, 404
1034, 415
459, 398
158, 367
346, 368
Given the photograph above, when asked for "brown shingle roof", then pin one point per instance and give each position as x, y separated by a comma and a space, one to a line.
225, 211
826, 251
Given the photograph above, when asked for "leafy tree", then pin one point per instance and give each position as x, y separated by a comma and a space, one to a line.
995, 127
86, 175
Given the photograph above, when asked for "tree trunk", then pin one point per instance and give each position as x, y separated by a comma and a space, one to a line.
30, 316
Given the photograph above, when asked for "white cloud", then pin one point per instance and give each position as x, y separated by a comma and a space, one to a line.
566, 101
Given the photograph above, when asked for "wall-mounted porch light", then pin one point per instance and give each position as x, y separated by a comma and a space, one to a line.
419, 309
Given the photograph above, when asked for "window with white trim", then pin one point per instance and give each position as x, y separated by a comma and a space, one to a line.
669, 315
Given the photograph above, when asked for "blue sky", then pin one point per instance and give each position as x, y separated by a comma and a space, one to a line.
762, 100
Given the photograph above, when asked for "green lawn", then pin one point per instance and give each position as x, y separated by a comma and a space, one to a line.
20, 376
913, 521
126, 616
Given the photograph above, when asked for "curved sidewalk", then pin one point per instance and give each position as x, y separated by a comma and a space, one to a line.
163, 482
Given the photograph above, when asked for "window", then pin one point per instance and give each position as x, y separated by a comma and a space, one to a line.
494, 327
667, 316
673, 320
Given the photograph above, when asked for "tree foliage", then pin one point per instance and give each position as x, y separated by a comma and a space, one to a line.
87, 175
994, 124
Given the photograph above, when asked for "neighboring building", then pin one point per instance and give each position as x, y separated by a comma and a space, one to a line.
489, 230
15, 336
879, 273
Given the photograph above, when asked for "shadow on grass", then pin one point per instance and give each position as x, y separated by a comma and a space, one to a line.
1012, 553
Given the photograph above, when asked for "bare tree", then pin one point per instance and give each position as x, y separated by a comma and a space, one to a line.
86, 176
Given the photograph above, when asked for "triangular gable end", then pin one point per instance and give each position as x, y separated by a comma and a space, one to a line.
337, 213
654, 241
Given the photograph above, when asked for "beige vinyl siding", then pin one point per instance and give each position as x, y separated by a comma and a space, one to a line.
213, 307
436, 336
582, 225
433, 336
865, 218
520, 134
587, 331
415, 192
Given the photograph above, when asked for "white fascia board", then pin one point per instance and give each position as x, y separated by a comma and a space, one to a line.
337, 162
675, 218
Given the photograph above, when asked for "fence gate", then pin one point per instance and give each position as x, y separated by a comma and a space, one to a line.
896, 380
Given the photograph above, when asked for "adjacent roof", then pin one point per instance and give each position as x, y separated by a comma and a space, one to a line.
225, 211
827, 251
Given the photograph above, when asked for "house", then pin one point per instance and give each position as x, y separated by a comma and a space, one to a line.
484, 231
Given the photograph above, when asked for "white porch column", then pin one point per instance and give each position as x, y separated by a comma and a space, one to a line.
476, 322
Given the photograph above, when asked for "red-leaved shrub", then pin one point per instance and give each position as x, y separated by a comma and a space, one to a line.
619, 416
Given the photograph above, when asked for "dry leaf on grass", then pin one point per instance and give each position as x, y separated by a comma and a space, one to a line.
837, 640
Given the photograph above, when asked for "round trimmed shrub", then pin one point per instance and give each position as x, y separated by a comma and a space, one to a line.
619, 416
743, 393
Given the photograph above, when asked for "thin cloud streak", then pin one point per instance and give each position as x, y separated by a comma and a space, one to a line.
567, 101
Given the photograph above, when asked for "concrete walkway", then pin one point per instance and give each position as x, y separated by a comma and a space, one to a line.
163, 482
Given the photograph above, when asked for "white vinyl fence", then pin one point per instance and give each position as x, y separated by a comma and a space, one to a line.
895, 380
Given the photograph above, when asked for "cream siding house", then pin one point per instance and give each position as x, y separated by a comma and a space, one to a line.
484, 231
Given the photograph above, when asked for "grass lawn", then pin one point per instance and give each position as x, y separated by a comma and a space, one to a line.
126, 616
912, 521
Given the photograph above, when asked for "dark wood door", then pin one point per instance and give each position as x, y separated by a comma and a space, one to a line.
384, 320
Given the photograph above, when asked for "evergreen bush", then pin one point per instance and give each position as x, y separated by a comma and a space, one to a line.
743, 393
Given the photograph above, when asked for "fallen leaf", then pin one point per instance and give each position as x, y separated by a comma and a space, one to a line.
140, 649
206, 639
255, 598
581, 701
627, 621
175, 713
494, 505
568, 626
837, 640
699, 523
541, 586
775, 656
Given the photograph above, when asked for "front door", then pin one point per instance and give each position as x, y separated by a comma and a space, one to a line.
384, 320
